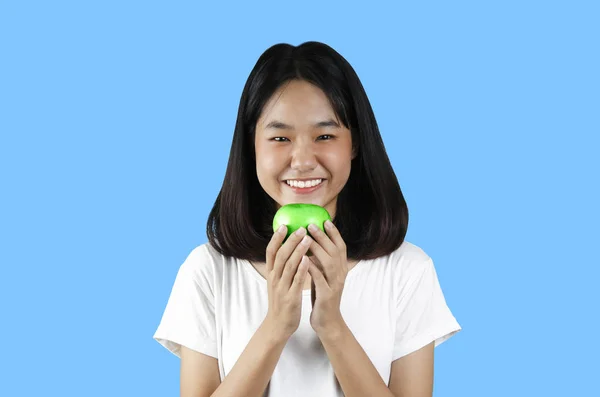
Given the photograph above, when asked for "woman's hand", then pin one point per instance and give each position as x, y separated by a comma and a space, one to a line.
328, 277
287, 267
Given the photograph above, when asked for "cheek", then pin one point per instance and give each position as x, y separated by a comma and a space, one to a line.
339, 164
267, 165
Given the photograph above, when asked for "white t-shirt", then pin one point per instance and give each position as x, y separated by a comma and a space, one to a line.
393, 305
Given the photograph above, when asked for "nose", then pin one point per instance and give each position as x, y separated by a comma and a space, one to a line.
303, 157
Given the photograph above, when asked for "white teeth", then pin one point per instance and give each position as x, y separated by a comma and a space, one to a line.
304, 184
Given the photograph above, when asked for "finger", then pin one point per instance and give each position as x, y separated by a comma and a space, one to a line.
322, 256
323, 240
284, 252
274, 245
292, 263
335, 236
317, 277
300, 276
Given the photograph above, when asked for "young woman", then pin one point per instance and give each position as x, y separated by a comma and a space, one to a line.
252, 315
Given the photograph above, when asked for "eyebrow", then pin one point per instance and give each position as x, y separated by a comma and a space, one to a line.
279, 125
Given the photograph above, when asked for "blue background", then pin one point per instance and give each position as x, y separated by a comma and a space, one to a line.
116, 119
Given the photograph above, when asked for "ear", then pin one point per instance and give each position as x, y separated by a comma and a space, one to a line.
354, 151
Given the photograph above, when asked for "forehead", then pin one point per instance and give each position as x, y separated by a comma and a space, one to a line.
297, 102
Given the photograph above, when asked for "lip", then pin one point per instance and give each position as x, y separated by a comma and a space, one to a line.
304, 190
303, 179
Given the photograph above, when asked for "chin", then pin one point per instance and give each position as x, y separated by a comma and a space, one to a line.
302, 200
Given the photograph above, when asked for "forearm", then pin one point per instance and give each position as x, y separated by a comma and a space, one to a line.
355, 372
254, 368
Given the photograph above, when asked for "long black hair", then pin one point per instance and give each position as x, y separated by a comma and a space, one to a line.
371, 213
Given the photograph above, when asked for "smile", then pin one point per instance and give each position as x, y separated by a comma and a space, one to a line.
304, 187
304, 184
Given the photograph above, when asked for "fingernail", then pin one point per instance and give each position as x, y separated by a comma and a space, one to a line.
281, 228
305, 240
300, 231
328, 224
312, 228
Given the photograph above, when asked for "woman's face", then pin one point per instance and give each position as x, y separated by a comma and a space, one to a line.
303, 153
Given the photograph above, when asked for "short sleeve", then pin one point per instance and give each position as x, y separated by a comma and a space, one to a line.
189, 316
422, 313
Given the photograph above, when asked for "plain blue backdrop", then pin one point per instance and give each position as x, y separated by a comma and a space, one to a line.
116, 119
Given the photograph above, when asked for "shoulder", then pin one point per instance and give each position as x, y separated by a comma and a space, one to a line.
204, 264
405, 264
406, 257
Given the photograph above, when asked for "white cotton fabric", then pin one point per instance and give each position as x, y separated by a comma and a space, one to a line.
393, 305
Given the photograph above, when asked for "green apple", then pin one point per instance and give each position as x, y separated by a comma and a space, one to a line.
295, 216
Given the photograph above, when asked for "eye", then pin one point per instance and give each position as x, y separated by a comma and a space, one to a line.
278, 139
326, 137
